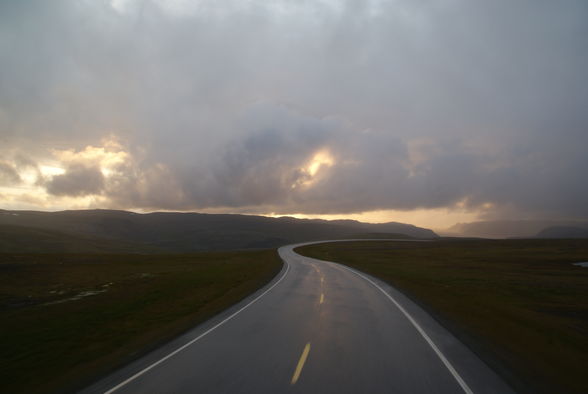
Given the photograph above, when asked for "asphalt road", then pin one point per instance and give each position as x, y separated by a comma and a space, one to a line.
318, 327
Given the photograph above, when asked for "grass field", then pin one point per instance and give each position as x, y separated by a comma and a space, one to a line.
69, 318
519, 304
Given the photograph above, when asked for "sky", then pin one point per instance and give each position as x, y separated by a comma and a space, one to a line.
419, 111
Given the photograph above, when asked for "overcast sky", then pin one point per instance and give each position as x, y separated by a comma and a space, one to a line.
382, 110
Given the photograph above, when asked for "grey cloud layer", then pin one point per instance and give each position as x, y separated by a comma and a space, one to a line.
421, 104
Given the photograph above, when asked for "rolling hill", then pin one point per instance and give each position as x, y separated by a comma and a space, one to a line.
113, 231
18, 239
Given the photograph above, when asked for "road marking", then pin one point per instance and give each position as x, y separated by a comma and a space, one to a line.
301, 362
322, 299
147, 369
445, 361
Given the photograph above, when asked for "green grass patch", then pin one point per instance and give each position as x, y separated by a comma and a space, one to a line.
520, 304
70, 318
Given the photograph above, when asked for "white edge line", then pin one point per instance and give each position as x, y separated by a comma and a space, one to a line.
146, 369
445, 361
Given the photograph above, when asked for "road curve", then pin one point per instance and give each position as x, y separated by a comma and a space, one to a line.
318, 327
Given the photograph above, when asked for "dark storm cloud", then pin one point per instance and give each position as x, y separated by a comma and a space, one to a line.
78, 180
420, 104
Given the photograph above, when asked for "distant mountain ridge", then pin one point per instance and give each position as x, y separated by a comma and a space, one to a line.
186, 232
509, 228
563, 232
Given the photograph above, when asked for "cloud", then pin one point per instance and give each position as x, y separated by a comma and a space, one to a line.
226, 106
78, 180
8, 175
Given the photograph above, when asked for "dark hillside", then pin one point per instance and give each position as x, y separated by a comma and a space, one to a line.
18, 239
186, 232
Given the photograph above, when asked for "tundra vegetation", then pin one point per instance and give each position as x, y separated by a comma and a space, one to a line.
70, 318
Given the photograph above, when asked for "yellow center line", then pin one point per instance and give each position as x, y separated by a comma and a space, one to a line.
300, 364
322, 299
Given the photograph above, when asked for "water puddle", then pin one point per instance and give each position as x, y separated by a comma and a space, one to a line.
81, 295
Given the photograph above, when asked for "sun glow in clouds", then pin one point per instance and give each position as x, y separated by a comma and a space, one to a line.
107, 157
311, 173
321, 158
47, 170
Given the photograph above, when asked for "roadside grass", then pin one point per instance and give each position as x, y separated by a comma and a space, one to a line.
520, 304
67, 319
